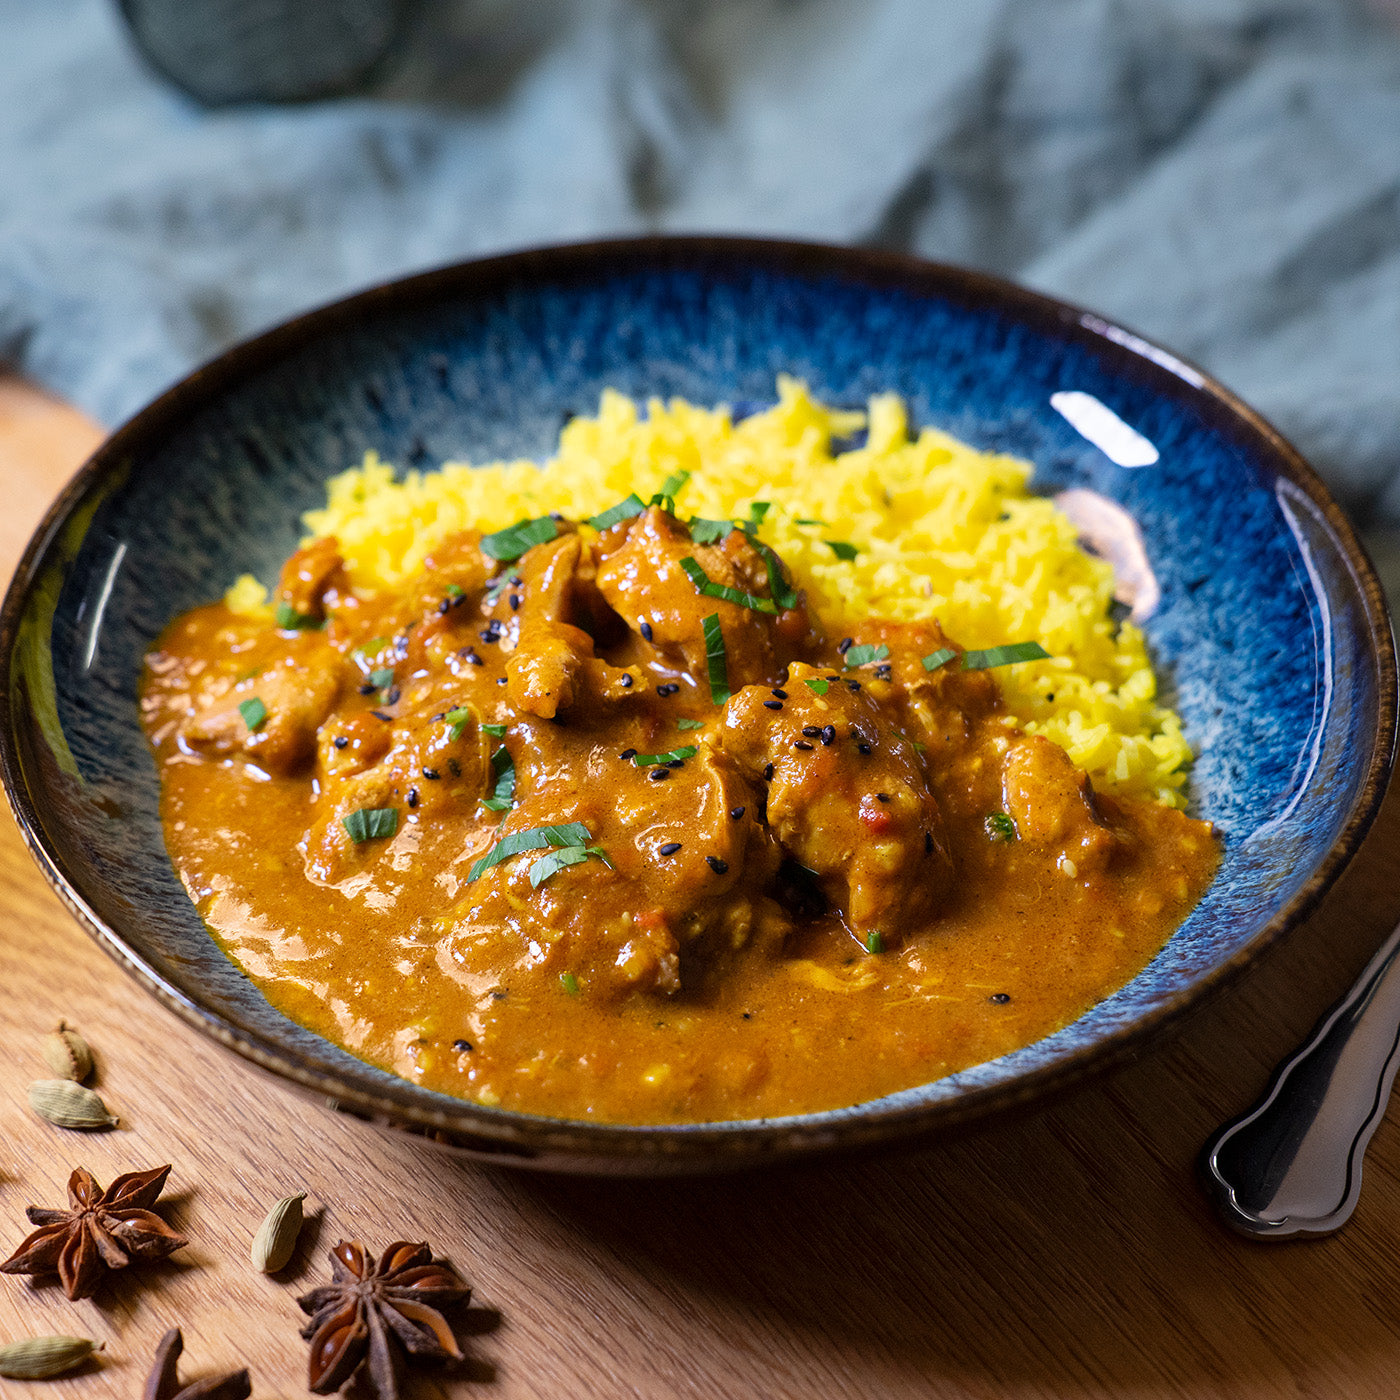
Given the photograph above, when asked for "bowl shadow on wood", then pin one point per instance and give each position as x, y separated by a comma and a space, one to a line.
1072, 1247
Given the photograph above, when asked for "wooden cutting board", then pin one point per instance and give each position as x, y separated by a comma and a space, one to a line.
1068, 1253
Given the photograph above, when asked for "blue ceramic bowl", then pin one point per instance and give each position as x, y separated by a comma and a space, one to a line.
1270, 633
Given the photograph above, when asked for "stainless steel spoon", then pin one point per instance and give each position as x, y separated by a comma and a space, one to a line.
1292, 1164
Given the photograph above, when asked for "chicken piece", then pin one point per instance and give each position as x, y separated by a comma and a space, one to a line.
1053, 805
942, 705
308, 576
553, 661
426, 763
271, 718
456, 568
847, 798
642, 579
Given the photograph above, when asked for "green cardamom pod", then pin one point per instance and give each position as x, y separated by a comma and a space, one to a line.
276, 1239
37, 1358
69, 1105
66, 1053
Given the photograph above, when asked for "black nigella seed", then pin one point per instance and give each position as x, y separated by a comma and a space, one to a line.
829, 735
863, 748
645, 630
736, 812
379, 714
670, 688
1001, 998
659, 775
845, 644
515, 602
780, 695
431, 774
487, 634
500, 680
413, 797
803, 745
367, 689
459, 600
517, 580
454, 767
853, 686
882, 797
626, 681
772, 704
676, 763
444, 605
472, 658
340, 741
768, 772
810, 731
747, 1015
392, 698
928, 843
461, 1046
669, 849
627, 753
720, 867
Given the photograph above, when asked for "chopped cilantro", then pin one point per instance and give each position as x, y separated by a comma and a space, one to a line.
818, 683
841, 549
690, 724
254, 713
503, 795
716, 659
707, 586
654, 760
458, 717
371, 823
556, 861
875, 942
1003, 656
784, 595
1001, 827
382, 678
938, 658
290, 620
514, 540
536, 838
615, 515
569, 982
863, 655
704, 531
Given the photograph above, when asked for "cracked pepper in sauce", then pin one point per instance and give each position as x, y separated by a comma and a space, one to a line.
609, 828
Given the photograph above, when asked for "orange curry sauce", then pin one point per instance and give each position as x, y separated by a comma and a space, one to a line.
787, 901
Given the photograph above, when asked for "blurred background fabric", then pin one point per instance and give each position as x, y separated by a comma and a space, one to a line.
1221, 175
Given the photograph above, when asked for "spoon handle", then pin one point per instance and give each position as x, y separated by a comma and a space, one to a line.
1292, 1164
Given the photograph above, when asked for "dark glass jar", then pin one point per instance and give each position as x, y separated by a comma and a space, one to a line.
229, 51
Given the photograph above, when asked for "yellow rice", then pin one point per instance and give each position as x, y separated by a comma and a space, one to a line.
943, 531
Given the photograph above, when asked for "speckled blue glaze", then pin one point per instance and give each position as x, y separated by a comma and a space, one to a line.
1266, 635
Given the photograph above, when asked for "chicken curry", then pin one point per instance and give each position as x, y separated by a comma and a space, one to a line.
603, 824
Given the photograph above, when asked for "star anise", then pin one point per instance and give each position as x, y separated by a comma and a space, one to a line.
374, 1312
164, 1380
104, 1230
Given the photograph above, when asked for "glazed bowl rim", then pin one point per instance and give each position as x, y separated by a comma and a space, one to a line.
516, 1135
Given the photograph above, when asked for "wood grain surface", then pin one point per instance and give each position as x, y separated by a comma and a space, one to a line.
1066, 1253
